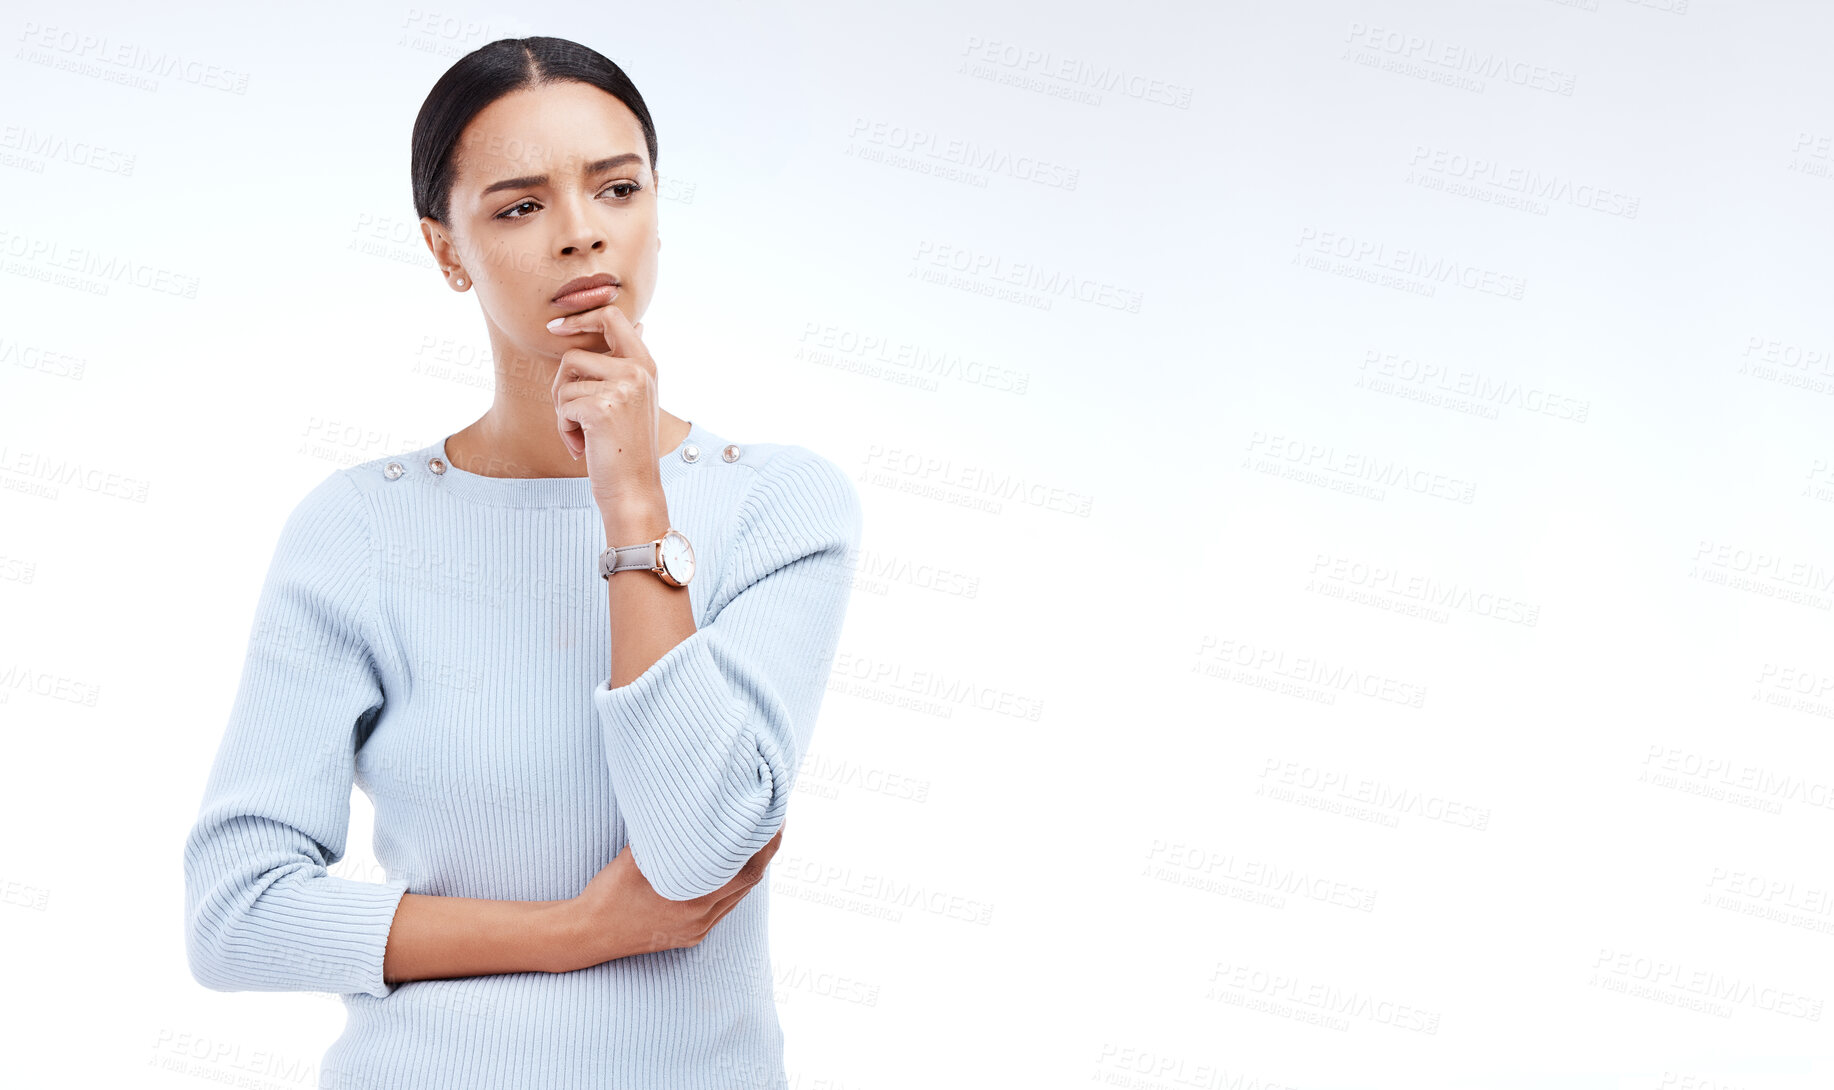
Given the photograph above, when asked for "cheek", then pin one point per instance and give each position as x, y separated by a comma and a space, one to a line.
506, 260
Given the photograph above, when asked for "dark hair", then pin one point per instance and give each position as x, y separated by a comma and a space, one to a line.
488, 73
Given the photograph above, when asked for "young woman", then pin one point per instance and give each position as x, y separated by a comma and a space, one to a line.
573, 653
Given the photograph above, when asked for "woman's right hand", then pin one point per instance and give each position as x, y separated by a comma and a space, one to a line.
619, 914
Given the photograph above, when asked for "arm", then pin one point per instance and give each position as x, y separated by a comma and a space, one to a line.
261, 911
438, 937
704, 728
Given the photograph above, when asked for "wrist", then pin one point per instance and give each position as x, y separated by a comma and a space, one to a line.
571, 944
634, 519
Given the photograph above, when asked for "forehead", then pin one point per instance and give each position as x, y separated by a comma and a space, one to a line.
551, 128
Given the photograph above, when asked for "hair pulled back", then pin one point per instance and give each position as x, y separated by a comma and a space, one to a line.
483, 76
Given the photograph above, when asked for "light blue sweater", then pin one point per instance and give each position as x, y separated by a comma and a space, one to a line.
441, 640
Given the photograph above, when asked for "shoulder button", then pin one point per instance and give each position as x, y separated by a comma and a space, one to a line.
731, 453
437, 465
393, 470
690, 453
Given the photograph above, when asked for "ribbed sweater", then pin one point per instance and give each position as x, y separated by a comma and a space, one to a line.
441, 639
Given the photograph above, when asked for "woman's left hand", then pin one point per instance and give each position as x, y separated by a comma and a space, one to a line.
605, 405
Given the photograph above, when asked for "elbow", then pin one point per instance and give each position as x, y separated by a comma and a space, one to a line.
209, 921
673, 881
203, 944
682, 862
204, 954
221, 950
214, 917
684, 879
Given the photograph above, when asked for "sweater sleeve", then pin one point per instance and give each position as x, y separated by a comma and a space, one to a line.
261, 913
704, 745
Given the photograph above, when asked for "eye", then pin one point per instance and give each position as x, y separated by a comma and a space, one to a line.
632, 187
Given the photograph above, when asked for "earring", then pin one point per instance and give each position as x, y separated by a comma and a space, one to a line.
461, 281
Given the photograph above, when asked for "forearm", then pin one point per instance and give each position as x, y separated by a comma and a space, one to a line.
705, 726
433, 938
647, 615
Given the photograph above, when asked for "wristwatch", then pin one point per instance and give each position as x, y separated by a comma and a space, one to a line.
669, 556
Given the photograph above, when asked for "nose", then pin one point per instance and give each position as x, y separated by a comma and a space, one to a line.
578, 233
587, 241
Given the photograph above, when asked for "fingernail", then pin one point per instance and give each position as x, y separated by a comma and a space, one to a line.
554, 326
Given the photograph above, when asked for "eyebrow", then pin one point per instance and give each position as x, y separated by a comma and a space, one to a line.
532, 180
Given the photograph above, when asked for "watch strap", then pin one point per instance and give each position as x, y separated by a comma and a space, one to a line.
645, 556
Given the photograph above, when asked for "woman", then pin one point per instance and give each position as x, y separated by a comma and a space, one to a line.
581, 629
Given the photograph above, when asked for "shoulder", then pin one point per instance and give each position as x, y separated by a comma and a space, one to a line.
368, 480
790, 503
322, 575
329, 534
336, 502
796, 489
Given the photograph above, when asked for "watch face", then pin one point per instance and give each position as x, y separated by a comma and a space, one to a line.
677, 556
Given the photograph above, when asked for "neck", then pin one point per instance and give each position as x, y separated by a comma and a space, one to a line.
519, 438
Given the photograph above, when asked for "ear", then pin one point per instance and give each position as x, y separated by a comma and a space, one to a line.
439, 242
434, 234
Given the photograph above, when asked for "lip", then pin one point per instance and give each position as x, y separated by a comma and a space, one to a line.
586, 292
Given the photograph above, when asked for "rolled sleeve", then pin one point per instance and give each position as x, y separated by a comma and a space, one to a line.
704, 745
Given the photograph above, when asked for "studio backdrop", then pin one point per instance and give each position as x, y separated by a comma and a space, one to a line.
1346, 491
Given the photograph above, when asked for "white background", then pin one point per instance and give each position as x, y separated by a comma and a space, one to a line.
1387, 444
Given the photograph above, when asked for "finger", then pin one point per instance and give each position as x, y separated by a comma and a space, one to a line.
735, 890
591, 321
752, 872
596, 320
583, 363
729, 897
736, 887
568, 375
581, 397
582, 372
623, 338
569, 420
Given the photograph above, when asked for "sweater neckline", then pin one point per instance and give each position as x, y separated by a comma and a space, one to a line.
540, 491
